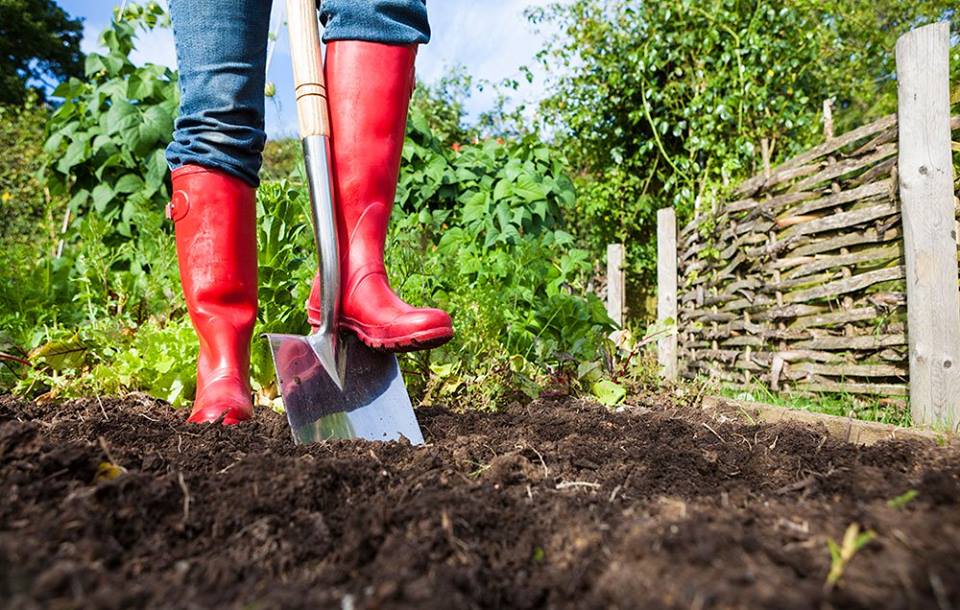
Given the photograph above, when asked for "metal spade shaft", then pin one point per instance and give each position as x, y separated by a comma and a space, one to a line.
316, 154
314, 115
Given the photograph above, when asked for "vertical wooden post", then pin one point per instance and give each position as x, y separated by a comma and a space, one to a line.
828, 119
667, 290
930, 247
615, 283
765, 154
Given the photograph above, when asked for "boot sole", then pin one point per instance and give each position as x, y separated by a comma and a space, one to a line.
414, 342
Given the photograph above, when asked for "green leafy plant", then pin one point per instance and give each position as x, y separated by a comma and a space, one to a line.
160, 359
106, 141
287, 264
480, 231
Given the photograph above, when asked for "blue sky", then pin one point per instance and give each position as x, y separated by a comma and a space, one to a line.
489, 37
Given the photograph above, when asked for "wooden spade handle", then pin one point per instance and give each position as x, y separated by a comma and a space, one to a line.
311, 90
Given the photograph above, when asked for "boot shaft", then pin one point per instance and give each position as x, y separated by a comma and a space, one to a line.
369, 87
215, 225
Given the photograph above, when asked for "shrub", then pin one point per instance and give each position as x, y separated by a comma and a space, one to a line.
106, 141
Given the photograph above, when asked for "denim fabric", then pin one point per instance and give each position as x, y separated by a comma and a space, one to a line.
387, 21
222, 52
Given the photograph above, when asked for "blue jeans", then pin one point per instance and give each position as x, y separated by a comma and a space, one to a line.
222, 54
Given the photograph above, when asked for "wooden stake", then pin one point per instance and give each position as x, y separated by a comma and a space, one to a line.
765, 154
930, 246
667, 290
615, 283
828, 119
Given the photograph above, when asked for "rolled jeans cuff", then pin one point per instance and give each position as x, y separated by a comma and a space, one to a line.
396, 22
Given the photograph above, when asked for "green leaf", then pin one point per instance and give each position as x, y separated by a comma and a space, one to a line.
53, 142
93, 64
141, 87
502, 190
503, 215
436, 168
475, 208
528, 189
75, 154
96, 63
69, 88
903, 499
78, 200
128, 183
834, 548
113, 160
122, 117
155, 124
102, 195
589, 371
608, 392
101, 141
60, 355
156, 170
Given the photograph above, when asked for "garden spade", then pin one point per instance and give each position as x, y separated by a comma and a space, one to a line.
333, 386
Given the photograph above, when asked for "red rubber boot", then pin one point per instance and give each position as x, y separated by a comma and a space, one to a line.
215, 220
369, 86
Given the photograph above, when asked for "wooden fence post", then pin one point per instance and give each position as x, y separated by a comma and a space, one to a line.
667, 290
828, 119
615, 283
925, 170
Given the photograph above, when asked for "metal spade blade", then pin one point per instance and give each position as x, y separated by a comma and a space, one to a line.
373, 403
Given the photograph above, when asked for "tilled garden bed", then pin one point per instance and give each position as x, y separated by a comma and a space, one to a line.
110, 504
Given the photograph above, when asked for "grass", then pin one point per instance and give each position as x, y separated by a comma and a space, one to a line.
863, 407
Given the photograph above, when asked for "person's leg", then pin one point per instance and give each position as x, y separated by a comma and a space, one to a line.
221, 55
215, 157
369, 71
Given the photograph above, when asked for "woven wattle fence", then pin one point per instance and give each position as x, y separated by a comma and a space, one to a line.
799, 283
837, 270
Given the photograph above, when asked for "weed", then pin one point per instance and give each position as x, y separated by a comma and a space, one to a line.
842, 554
903, 499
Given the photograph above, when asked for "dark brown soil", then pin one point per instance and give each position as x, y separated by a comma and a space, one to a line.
552, 504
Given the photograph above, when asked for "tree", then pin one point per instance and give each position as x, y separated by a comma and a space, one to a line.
38, 40
665, 103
